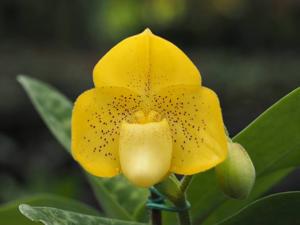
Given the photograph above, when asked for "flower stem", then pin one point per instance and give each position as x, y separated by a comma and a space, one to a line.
175, 191
185, 182
184, 216
155, 213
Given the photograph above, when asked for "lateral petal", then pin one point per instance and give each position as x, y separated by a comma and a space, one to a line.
96, 121
195, 119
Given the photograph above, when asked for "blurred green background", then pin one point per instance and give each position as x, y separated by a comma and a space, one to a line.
247, 51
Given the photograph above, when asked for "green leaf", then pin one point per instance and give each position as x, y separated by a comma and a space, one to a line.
273, 143
273, 140
225, 207
9, 214
277, 209
54, 108
118, 198
53, 216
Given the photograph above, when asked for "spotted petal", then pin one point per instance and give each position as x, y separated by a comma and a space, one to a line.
145, 63
96, 119
195, 119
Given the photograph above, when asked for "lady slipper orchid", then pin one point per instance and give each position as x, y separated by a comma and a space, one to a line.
148, 115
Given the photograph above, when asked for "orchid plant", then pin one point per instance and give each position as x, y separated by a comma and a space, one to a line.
153, 144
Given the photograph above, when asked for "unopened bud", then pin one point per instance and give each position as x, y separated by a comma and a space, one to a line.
236, 175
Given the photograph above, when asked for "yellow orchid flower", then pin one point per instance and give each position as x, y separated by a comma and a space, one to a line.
148, 115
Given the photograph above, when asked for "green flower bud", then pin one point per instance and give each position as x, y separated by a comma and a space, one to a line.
236, 175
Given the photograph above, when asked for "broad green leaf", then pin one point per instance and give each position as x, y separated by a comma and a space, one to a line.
273, 140
273, 143
53, 216
54, 108
9, 214
277, 209
118, 198
227, 207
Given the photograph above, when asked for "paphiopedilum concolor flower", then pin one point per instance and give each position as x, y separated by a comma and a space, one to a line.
148, 115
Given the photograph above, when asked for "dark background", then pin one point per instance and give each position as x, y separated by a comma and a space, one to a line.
248, 51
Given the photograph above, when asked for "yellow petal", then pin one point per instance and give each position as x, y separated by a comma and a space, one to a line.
195, 119
145, 63
145, 152
96, 120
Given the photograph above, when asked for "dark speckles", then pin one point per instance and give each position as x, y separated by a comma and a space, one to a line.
183, 112
103, 122
136, 81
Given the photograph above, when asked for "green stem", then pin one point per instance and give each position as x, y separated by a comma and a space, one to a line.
155, 213
156, 217
185, 182
174, 190
184, 216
